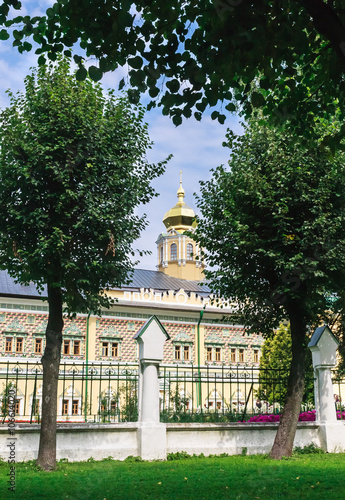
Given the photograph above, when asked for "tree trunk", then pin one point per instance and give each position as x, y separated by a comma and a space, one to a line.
285, 436
51, 362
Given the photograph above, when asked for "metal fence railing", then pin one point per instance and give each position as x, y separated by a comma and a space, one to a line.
108, 392
224, 393
339, 394
96, 392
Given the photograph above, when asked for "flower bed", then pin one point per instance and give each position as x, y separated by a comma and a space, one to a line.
306, 416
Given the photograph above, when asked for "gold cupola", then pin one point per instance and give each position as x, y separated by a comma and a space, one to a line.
180, 217
178, 253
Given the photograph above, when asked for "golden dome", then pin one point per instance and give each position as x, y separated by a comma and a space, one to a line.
180, 217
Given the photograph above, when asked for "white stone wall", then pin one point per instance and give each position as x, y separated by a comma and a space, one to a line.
78, 442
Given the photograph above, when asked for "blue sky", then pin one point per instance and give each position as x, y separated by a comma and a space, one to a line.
196, 146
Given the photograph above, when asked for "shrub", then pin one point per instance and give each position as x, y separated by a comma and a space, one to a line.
307, 450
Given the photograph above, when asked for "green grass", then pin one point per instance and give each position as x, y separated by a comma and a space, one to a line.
316, 476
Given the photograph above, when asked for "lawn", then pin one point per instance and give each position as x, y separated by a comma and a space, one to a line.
316, 476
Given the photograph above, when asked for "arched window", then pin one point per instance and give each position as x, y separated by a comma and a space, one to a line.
189, 251
161, 253
173, 252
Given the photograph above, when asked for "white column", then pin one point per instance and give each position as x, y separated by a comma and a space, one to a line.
184, 249
326, 411
151, 433
149, 411
331, 431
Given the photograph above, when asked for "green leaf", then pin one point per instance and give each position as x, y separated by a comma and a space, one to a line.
41, 60
257, 100
81, 74
95, 73
4, 35
78, 59
122, 83
173, 85
135, 62
177, 120
153, 92
231, 107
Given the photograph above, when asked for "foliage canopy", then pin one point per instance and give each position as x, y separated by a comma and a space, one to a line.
273, 229
287, 58
72, 170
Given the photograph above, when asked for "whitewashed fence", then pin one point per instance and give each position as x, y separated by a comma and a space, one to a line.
151, 439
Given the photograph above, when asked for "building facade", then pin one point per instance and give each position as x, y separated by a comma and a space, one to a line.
174, 293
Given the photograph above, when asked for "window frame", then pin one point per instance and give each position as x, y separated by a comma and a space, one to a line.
75, 406
115, 349
105, 349
65, 406
76, 344
8, 341
173, 251
20, 347
66, 343
37, 342
190, 251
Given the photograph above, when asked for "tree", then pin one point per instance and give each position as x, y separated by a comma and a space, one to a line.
273, 229
72, 171
288, 58
275, 356
275, 362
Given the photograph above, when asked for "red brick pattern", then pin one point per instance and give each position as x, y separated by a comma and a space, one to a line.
122, 331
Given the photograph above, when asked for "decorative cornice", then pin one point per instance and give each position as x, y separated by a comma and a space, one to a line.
72, 329
112, 332
213, 339
14, 326
183, 337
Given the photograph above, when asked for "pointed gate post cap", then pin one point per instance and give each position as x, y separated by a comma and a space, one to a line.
151, 338
323, 345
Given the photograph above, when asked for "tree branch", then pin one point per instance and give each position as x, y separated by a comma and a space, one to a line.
328, 24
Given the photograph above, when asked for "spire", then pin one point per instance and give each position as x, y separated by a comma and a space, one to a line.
180, 192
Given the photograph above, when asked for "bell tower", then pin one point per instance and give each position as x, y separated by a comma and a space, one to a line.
178, 252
